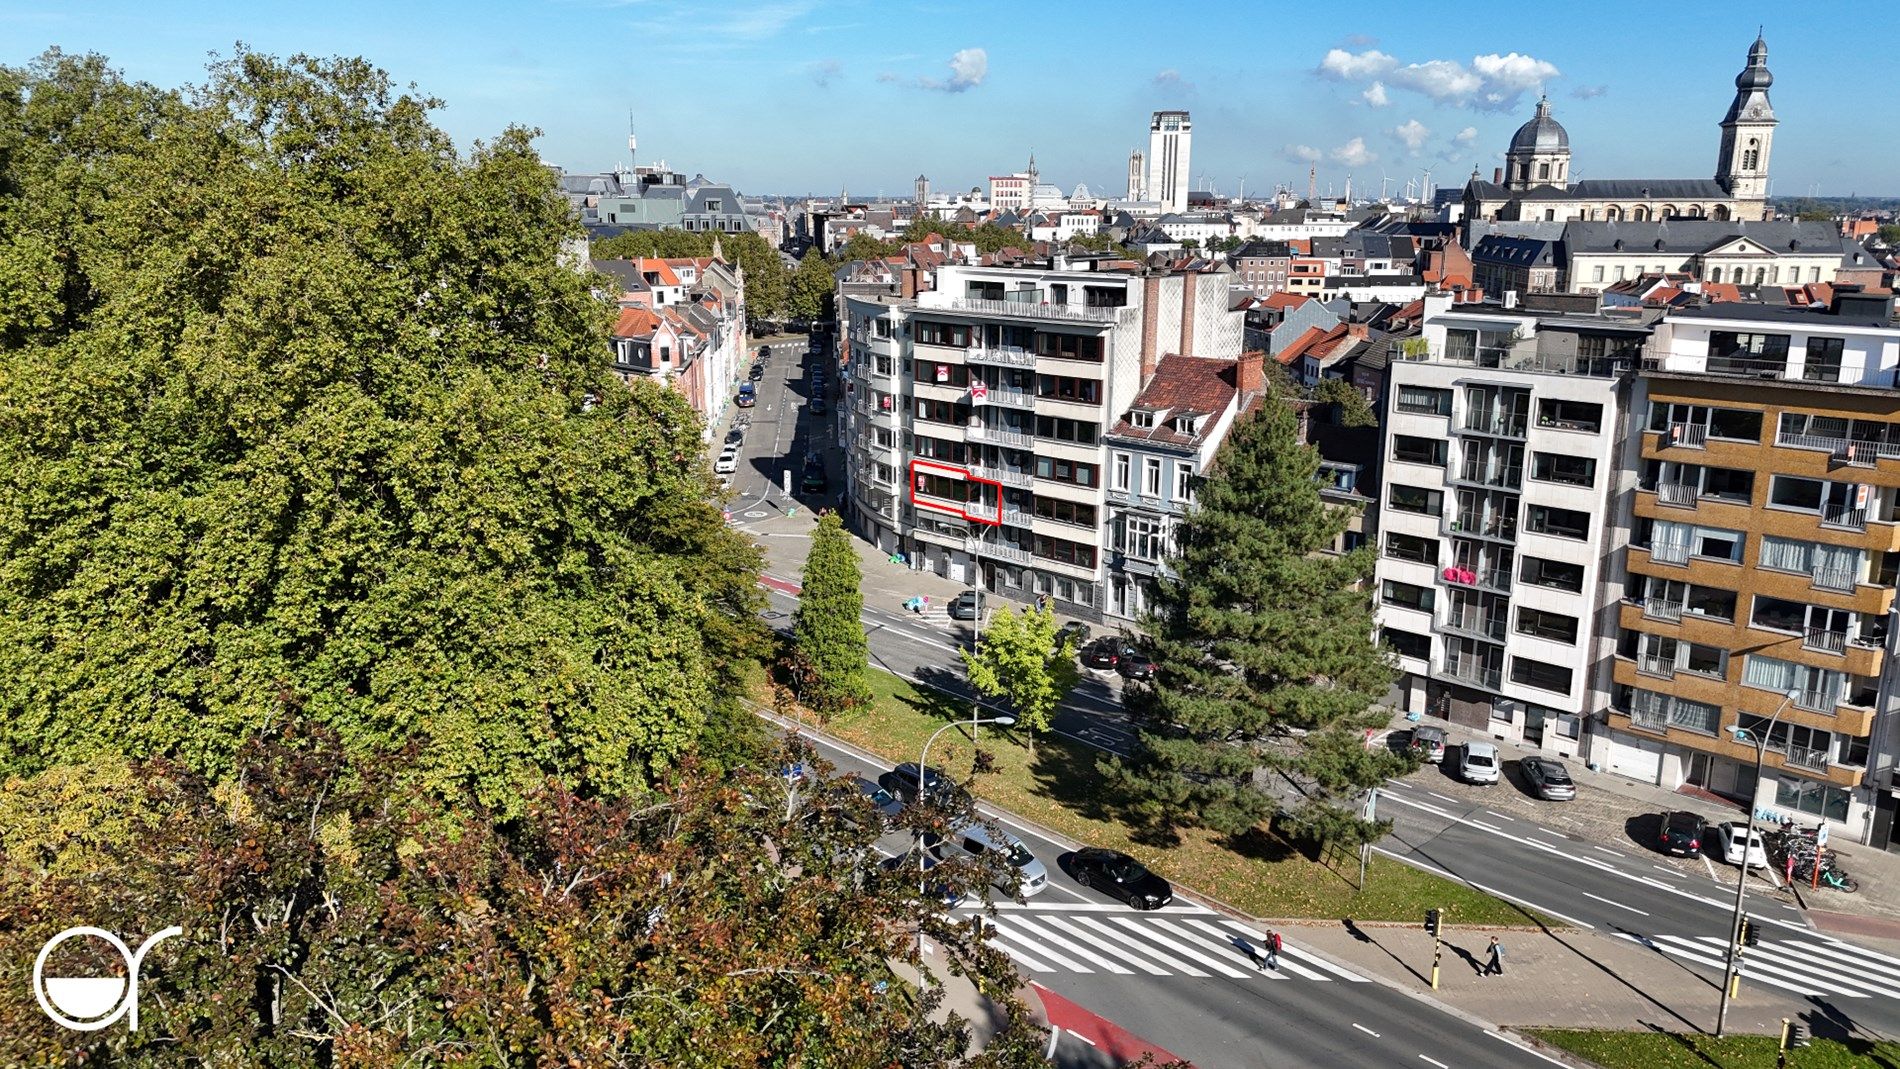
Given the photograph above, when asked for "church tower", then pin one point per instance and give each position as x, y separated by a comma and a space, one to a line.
1539, 154
1137, 176
1748, 133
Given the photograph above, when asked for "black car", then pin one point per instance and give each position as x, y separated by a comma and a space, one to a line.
817, 406
814, 480
1134, 664
888, 805
902, 781
1102, 653
1121, 876
1682, 833
757, 372
735, 436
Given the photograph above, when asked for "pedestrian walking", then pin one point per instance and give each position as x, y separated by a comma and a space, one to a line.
1273, 949
1495, 965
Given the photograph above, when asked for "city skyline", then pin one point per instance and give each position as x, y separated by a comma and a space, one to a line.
785, 96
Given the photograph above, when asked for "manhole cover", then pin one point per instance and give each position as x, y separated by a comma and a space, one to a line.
756, 514
772, 614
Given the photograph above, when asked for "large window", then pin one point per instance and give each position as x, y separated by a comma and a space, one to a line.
1067, 471
1554, 626
1183, 481
932, 372
1569, 415
1808, 796
1562, 523
1674, 543
1407, 595
1823, 363
1410, 547
1122, 467
1540, 674
1151, 476
1558, 575
1834, 567
1141, 538
1070, 346
1065, 551
1066, 388
1791, 492
929, 333
942, 411
1059, 429
1054, 508
1425, 400
1733, 353
1417, 499
1407, 644
1563, 468
1817, 689
1415, 450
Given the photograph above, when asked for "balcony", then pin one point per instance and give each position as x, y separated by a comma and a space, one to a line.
1650, 664
980, 510
1686, 436
1015, 517
1474, 673
1497, 580
1816, 701
1513, 425
1474, 525
1007, 476
1492, 476
982, 432
1666, 611
1681, 495
1508, 359
1489, 627
1859, 454
1819, 638
1003, 397
1033, 310
1849, 519
1669, 552
1000, 356
1838, 580
996, 550
1806, 757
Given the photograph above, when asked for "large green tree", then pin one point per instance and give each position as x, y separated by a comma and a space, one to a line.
1266, 666
812, 286
1019, 660
300, 419
830, 650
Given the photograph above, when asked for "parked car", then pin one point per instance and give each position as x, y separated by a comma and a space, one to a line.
903, 866
1105, 652
1135, 664
817, 406
903, 781
735, 436
1073, 632
888, 805
814, 480
1682, 833
1735, 838
966, 606
1548, 778
1026, 874
728, 461
747, 396
757, 372
1121, 876
1429, 743
1479, 763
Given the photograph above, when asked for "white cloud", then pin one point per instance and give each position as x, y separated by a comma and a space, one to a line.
1443, 80
1589, 92
1375, 95
1466, 136
968, 68
1353, 153
1301, 153
1513, 72
1341, 65
1171, 79
1411, 133
826, 71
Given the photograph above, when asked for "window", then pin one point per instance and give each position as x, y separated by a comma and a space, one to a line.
1557, 575
1066, 471
1596, 273
1551, 625
1735, 424
1416, 450
1817, 689
1570, 415
928, 333
1054, 508
1065, 551
1183, 481
1070, 346
1060, 429
1540, 674
1811, 797
1121, 471
1778, 615
1407, 644
1407, 595
1411, 547
1151, 476
1084, 391
1416, 499
942, 411
1563, 468
1711, 603
1562, 523
1790, 492
1823, 363
1141, 538
1425, 400
933, 372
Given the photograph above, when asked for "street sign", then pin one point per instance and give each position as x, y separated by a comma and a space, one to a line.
1820, 835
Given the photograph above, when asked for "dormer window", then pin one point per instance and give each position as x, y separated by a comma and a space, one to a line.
1141, 419
1187, 423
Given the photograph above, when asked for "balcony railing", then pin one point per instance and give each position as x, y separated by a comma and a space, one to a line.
1847, 518
1473, 622
1816, 701
1474, 673
1836, 579
1021, 479
979, 510
981, 432
1495, 476
1502, 528
1015, 517
1746, 366
999, 550
1506, 426
1004, 398
1000, 356
1669, 552
1658, 609
1687, 435
1652, 665
1807, 757
1497, 579
1681, 495
1820, 638
1490, 356
1038, 310
1860, 454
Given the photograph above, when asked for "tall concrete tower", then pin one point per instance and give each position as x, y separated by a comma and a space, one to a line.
1137, 176
923, 190
1170, 135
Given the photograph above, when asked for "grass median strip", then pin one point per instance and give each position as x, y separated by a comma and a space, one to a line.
1671, 1050
1060, 787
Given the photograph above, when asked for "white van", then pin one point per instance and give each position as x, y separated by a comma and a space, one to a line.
975, 841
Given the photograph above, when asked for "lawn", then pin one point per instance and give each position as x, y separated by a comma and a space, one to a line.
1060, 787
1668, 1050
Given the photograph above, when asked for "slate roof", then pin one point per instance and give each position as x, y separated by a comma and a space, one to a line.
1683, 189
1517, 252
1689, 236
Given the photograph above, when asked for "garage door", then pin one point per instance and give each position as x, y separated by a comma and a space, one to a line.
1636, 758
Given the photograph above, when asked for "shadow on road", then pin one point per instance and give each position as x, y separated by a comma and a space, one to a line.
1361, 935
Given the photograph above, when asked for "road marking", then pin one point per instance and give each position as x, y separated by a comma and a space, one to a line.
1710, 865
1838, 948
1659, 868
1077, 931
1366, 1030
1101, 907
1067, 944
1612, 902
1501, 816
1178, 947
1032, 963
1759, 966
1434, 1061
1482, 824
1288, 949
1607, 850
1038, 948
1446, 797
1105, 932
1525, 1049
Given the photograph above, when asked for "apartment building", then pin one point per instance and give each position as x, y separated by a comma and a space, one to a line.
1763, 546
977, 411
1502, 439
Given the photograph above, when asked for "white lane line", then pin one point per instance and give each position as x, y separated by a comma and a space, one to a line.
1482, 824
1693, 952
1042, 951
1103, 931
1434, 1061
1289, 949
1612, 902
1044, 934
1032, 963
1446, 797
1525, 1049
1710, 865
1671, 872
1798, 961
1848, 952
1366, 1030
1144, 932
1607, 850
1078, 932
1100, 907
1181, 930
1501, 816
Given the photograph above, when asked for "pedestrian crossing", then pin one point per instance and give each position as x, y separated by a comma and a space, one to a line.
1159, 943
1811, 966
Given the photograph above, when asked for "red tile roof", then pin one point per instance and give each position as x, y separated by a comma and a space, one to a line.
1182, 384
1288, 301
635, 323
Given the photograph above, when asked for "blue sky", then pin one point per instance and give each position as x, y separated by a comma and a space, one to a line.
808, 95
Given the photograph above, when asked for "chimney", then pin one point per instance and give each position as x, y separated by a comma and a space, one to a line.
1356, 330
1497, 175
1150, 313
1188, 284
1250, 372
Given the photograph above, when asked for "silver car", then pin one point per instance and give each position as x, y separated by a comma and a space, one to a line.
1479, 764
1549, 778
1026, 875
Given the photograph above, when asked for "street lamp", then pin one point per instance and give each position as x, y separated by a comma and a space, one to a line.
923, 764
1760, 738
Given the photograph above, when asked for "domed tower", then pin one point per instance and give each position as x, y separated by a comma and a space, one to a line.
1539, 154
1748, 132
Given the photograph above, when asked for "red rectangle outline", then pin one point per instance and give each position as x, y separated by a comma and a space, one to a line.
911, 485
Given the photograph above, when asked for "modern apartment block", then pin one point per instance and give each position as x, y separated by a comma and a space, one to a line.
976, 411
1502, 439
1763, 546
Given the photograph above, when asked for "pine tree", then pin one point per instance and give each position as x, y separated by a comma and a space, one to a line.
1018, 660
1264, 650
828, 635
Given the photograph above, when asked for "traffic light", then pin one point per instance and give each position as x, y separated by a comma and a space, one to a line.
1433, 921
1751, 935
1798, 1035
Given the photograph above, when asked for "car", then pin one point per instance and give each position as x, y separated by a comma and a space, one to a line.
1075, 633
728, 461
1429, 743
735, 436
1026, 875
1121, 876
1548, 778
888, 805
757, 372
1734, 837
1134, 664
1479, 763
1682, 833
817, 406
765, 353
903, 781
814, 480
747, 396
1102, 653
903, 866
966, 606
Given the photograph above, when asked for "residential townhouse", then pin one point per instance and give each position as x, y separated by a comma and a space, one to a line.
682, 321
1260, 267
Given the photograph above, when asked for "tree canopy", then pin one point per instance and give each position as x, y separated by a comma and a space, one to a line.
832, 654
1019, 660
301, 419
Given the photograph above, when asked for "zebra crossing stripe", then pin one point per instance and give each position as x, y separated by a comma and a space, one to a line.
1102, 930
1179, 947
1887, 961
1067, 944
1144, 966
1031, 963
1042, 951
1284, 969
1692, 952
1756, 960
1847, 955
1288, 949
1757, 970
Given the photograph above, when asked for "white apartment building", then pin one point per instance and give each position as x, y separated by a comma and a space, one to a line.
1502, 441
1170, 139
976, 413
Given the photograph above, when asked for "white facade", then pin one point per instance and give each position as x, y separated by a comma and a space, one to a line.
1170, 139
